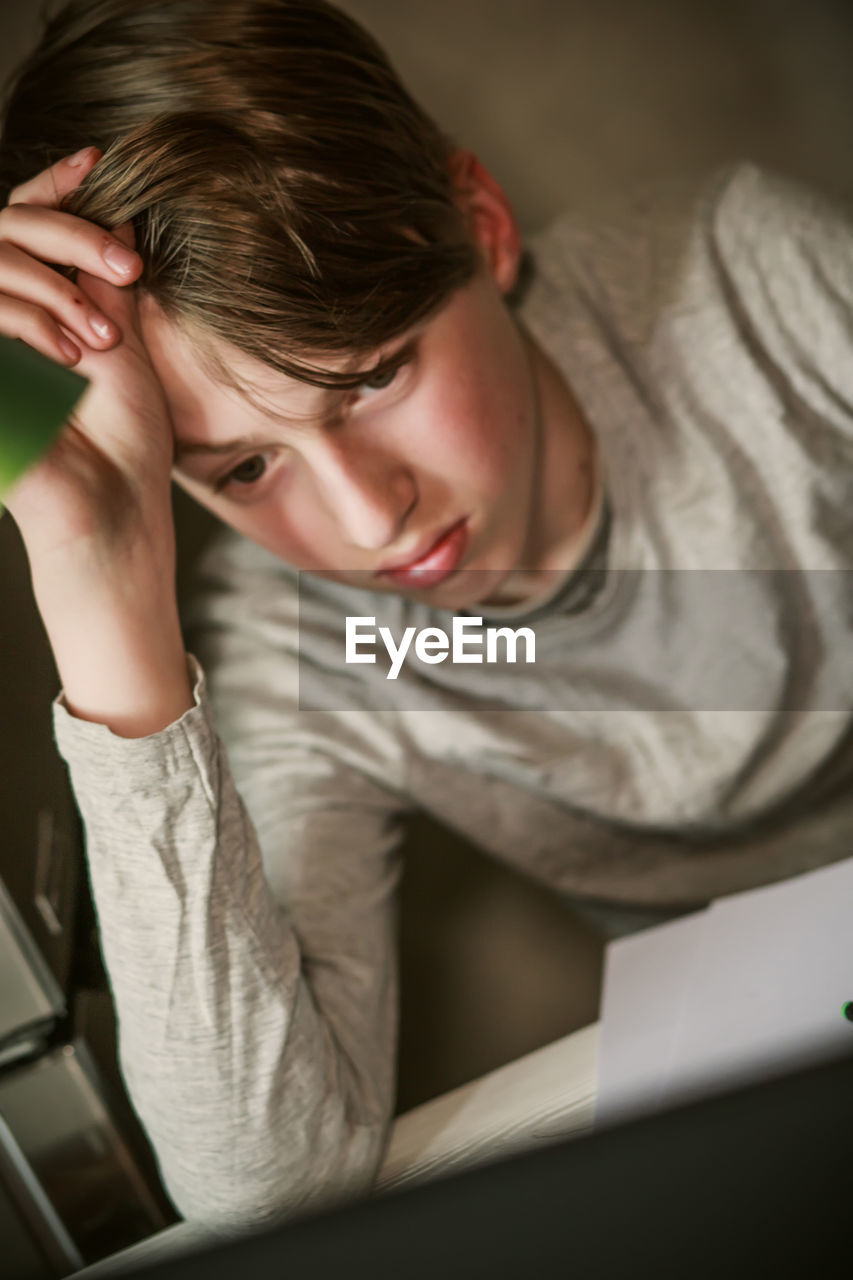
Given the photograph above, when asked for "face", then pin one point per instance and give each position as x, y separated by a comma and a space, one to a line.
426, 482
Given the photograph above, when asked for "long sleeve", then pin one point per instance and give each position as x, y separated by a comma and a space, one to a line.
256, 1022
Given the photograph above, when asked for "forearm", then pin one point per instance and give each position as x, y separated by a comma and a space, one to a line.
237, 1074
228, 1062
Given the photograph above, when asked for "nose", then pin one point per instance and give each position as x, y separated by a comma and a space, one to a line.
369, 494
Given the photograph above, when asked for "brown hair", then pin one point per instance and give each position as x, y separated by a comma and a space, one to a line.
287, 193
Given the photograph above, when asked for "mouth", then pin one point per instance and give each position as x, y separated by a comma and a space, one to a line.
434, 563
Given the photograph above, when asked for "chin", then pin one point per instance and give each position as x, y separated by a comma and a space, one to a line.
464, 589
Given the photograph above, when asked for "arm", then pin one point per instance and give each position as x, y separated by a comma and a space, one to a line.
256, 1030
256, 1033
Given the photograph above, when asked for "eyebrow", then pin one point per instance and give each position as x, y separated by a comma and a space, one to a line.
189, 448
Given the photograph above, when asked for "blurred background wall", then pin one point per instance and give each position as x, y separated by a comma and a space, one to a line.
566, 101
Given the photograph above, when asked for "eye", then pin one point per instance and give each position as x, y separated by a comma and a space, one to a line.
247, 472
378, 381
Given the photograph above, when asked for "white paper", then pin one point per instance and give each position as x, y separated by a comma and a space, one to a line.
751, 987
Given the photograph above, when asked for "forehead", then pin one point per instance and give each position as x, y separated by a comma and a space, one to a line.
199, 393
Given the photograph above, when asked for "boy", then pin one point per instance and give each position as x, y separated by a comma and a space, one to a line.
640, 449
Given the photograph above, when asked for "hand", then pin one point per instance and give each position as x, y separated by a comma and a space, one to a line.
101, 497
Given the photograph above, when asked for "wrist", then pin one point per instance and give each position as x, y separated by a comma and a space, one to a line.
120, 657
133, 682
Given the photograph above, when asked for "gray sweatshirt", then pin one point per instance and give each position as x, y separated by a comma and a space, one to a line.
685, 730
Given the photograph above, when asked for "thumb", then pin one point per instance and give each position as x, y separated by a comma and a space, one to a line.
117, 301
126, 234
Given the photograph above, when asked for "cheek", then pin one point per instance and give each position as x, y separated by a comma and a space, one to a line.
293, 530
477, 429
296, 531
482, 413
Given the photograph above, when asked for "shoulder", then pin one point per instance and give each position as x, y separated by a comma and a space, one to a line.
779, 259
659, 244
754, 202
619, 266
233, 563
779, 234
257, 623
237, 587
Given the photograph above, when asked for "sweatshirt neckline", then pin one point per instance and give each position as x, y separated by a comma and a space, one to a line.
573, 588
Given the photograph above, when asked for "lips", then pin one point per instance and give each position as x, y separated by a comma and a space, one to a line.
435, 564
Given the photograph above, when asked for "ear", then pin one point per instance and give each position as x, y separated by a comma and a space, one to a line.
490, 217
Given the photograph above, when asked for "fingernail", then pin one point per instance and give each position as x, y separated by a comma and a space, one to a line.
121, 260
80, 156
103, 327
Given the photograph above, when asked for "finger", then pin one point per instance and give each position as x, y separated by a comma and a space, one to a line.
53, 236
28, 280
52, 185
39, 330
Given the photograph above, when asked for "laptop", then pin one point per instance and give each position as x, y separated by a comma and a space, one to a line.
752, 1183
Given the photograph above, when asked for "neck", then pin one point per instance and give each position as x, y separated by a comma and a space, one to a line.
564, 497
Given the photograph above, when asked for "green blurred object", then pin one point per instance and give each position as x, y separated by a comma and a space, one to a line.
36, 398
